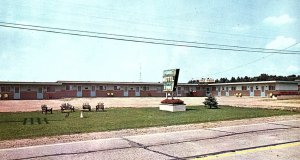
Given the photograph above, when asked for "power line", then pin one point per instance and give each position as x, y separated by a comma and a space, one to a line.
136, 39
139, 37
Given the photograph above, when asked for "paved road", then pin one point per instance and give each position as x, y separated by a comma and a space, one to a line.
278, 140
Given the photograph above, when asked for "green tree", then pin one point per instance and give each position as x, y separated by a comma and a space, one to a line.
232, 79
211, 102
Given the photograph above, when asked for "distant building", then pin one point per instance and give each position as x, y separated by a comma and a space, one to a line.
206, 80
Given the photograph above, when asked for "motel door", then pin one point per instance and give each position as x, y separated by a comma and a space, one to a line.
207, 91
79, 91
178, 90
262, 93
40, 93
93, 92
251, 91
219, 91
137, 92
126, 91
17, 93
227, 91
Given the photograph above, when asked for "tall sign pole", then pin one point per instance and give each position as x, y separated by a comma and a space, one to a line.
170, 79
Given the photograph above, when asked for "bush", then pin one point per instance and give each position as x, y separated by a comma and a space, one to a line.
211, 102
172, 101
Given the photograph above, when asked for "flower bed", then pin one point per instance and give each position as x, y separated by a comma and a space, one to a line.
172, 101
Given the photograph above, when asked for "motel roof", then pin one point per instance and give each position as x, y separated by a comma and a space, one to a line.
58, 83
109, 82
119, 83
29, 83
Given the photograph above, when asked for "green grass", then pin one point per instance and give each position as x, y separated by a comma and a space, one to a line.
14, 126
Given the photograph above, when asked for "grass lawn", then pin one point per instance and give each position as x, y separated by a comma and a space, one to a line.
34, 124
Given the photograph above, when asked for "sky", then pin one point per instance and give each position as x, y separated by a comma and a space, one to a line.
39, 56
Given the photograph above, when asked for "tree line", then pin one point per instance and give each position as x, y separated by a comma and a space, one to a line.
262, 77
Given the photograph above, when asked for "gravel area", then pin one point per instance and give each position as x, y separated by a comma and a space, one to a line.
34, 105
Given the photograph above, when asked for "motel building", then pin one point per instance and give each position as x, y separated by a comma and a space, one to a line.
255, 89
70, 89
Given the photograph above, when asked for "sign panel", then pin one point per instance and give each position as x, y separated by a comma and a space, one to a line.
170, 79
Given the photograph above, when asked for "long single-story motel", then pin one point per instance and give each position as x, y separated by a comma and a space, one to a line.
69, 89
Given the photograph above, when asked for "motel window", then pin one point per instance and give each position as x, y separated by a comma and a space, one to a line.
86, 88
159, 88
117, 88
5, 89
272, 88
186, 88
102, 88
50, 89
145, 88
197, 88
179, 88
244, 88
28, 89
256, 87
213, 88
17, 89
67, 87
233, 88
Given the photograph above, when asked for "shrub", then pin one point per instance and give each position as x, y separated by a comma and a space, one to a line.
211, 102
172, 101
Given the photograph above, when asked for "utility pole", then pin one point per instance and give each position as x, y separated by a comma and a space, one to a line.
140, 78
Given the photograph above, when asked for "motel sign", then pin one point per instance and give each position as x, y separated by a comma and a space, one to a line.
170, 79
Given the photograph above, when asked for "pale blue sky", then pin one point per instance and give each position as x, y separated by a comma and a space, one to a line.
37, 56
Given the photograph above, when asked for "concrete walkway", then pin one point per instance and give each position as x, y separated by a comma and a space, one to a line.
273, 140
